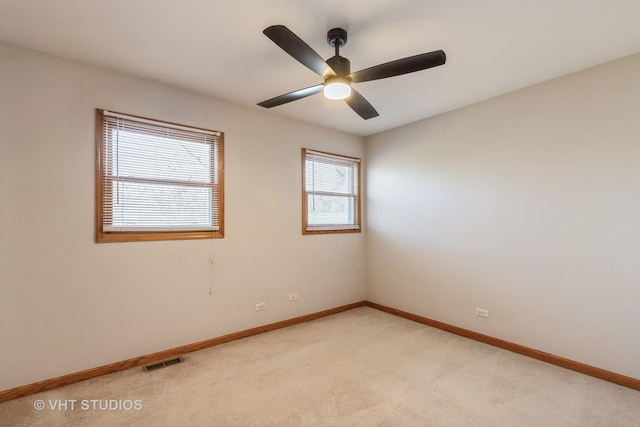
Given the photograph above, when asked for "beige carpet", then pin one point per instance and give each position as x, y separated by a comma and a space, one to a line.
358, 368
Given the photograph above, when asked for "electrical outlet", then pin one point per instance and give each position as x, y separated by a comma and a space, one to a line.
293, 296
482, 312
261, 306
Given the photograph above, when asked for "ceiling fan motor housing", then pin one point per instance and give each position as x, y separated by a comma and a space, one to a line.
339, 64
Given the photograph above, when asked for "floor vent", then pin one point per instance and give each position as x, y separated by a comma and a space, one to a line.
163, 364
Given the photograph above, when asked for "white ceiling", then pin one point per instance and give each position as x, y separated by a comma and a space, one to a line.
217, 48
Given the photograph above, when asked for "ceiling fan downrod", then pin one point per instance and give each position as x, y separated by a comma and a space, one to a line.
337, 38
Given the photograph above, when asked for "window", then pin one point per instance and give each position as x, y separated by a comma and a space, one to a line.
157, 180
331, 193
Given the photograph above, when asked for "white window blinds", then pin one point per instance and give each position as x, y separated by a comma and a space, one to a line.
158, 177
331, 185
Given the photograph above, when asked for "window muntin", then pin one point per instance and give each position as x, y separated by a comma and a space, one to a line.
157, 180
331, 193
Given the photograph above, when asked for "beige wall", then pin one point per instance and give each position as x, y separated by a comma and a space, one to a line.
67, 303
527, 205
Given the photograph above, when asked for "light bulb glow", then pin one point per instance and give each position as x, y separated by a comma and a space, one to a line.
337, 88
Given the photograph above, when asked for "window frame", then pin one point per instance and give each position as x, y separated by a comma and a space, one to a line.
326, 229
102, 236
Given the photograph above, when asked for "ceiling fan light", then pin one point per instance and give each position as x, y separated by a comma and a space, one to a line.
337, 88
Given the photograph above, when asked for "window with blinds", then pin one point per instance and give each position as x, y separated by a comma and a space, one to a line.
331, 193
157, 180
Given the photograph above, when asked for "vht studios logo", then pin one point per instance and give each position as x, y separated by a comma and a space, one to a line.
88, 405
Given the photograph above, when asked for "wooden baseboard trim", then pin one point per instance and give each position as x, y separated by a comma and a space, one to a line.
52, 383
516, 348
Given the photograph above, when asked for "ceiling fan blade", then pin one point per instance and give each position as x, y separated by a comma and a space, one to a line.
360, 105
400, 66
291, 96
294, 46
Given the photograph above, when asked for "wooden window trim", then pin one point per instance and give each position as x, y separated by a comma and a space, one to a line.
138, 236
358, 205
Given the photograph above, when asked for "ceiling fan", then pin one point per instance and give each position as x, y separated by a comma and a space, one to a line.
336, 71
